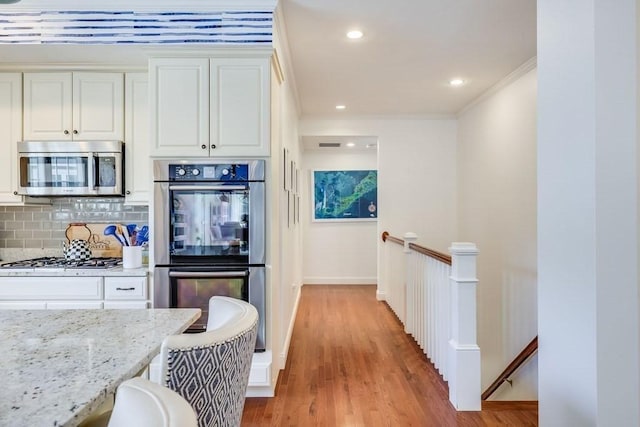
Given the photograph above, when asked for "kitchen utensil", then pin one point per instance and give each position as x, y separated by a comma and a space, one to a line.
142, 236
110, 230
124, 232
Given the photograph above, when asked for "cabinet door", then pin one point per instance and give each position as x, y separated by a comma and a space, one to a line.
138, 177
240, 106
98, 106
47, 106
10, 134
179, 100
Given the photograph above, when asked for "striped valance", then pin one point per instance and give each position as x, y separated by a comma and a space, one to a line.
127, 27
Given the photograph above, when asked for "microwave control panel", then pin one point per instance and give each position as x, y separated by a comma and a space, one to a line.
208, 172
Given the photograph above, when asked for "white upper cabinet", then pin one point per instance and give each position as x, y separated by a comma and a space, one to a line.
10, 134
179, 100
240, 105
136, 139
73, 106
210, 106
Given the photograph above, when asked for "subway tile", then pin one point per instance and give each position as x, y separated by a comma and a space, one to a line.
24, 216
32, 225
42, 216
7, 216
42, 234
11, 243
33, 243
7, 234
51, 243
14, 225
23, 234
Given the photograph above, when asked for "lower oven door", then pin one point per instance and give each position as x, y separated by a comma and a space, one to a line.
193, 287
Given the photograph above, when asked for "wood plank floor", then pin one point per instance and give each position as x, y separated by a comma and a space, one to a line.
351, 364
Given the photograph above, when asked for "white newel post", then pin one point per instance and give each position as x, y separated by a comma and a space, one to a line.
464, 353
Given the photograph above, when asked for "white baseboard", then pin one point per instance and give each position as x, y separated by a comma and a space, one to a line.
340, 280
287, 342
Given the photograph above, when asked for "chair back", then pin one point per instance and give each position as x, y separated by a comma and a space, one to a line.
142, 403
211, 369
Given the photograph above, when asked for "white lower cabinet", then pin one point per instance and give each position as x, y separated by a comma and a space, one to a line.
64, 292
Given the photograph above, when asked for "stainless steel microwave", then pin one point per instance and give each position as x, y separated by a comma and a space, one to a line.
71, 168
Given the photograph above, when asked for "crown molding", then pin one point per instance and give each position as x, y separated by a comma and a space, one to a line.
510, 78
281, 43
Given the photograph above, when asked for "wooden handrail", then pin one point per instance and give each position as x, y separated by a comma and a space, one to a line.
420, 249
431, 253
528, 351
386, 236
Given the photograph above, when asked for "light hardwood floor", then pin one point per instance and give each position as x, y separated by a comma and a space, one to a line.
351, 364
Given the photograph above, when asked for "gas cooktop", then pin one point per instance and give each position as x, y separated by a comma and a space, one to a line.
60, 262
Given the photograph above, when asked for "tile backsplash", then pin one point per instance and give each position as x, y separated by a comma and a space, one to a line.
44, 226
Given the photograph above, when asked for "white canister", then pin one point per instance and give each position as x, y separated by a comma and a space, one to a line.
131, 256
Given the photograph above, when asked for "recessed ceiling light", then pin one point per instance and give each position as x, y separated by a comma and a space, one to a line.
351, 144
456, 82
355, 34
340, 107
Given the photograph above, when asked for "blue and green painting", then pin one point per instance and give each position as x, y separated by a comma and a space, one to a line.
345, 194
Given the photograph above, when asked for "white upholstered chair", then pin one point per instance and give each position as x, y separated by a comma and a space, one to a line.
142, 403
211, 369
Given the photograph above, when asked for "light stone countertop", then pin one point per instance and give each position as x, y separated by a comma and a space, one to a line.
80, 272
58, 366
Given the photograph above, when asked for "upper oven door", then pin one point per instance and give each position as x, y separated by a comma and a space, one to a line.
212, 223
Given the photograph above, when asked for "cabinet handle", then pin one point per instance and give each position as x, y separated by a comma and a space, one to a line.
125, 289
75, 132
213, 146
66, 132
15, 193
204, 147
128, 192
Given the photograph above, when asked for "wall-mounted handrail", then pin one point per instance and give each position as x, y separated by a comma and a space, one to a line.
420, 249
524, 355
386, 236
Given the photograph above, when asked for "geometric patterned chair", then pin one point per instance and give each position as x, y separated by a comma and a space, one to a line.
210, 370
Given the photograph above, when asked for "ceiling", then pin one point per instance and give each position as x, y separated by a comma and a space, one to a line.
409, 52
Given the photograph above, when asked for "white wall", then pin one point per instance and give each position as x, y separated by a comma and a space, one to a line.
416, 174
285, 241
337, 252
587, 213
497, 211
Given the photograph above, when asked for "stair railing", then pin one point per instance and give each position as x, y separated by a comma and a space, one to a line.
521, 358
434, 296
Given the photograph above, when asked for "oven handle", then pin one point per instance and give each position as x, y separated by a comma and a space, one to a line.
208, 274
208, 187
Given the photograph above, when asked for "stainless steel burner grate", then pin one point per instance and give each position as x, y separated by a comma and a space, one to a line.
60, 262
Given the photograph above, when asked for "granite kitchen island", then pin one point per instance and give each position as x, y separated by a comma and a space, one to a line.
58, 366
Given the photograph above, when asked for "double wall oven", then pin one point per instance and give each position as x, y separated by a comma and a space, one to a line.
209, 222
